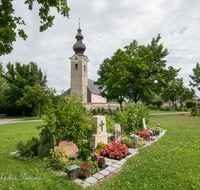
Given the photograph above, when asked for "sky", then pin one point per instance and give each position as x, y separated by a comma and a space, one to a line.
108, 25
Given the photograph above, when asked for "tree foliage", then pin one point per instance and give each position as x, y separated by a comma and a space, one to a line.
17, 77
135, 71
187, 94
195, 77
9, 23
174, 89
38, 94
68, 120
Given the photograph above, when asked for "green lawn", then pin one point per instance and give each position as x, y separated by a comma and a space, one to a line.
171, 163
158, 111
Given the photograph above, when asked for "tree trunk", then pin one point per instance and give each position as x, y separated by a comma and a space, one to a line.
23, 112
41, 104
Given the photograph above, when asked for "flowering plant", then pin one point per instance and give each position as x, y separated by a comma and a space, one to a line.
94, 156
101, 162
143, 133
84, 171
115, 150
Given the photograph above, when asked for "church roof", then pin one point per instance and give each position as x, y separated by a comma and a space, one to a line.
94, 89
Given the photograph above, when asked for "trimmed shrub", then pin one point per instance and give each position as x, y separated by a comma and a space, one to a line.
190, 103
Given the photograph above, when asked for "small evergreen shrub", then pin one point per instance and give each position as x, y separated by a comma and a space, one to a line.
29, 148
110, 124
98, 109
155, 107
83, 153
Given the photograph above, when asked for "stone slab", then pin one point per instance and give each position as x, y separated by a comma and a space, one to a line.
91, 180
79, 181
104, 172
15, 154
120, 163
116, 166
111, 169
85, 184
109, 163
98, 176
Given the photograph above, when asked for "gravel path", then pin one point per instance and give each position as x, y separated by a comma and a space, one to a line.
6, 121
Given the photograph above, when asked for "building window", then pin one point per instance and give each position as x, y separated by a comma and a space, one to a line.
84, 68
76, 66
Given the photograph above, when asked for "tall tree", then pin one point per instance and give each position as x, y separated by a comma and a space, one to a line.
174, 89
195, 77
38, 94
18, 76
147, 72
9, 23
112, 72
135, 71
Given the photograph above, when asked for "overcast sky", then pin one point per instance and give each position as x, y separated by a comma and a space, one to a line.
108, 25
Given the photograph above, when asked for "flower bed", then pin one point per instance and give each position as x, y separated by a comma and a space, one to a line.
115, 150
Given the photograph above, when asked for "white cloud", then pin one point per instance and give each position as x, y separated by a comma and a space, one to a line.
107, 26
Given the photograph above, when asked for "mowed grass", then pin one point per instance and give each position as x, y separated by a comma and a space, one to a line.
10, 135
173, 162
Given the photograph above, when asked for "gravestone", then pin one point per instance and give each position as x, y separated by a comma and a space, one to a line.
117, 133
46, 142
144, 123
71, 148
100, 133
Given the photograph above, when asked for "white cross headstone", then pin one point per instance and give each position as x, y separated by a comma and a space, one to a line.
100, 134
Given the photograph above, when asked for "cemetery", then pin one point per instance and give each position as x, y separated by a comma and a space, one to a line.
90, 157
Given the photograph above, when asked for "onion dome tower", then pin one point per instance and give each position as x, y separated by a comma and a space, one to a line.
79, 69
79, 46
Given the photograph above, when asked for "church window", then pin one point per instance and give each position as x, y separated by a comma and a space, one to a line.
76, 66
84, 68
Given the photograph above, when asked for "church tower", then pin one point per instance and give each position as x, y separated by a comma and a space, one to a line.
79, 68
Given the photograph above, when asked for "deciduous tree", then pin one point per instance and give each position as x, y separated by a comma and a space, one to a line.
195, 77
17, 77
135, 71
174, 89
9, 23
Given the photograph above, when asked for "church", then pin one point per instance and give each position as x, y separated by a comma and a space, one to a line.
80, 83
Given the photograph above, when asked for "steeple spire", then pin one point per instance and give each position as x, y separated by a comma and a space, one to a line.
79, 46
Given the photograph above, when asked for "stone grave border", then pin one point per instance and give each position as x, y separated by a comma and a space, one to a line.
114, 166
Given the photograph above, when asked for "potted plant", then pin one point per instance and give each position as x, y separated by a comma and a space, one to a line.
156, 130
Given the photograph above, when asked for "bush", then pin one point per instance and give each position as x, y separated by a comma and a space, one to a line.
110, 124
155, 107
100, 146
69, 120
120, 117
105, 112
94, 112
57, 158
134, 115
98, 109
127, 141
29, 148
150, 106
190, 103
83, 153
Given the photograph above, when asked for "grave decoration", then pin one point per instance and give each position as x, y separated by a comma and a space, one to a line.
100, 133
72, 171
117, 133
71, 148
